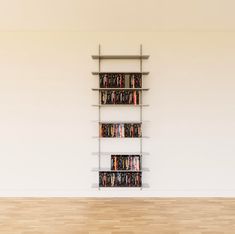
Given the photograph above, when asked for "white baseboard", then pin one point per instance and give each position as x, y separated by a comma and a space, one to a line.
116, 193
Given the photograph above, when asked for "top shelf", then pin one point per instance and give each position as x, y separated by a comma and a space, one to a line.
120, 56
126, 73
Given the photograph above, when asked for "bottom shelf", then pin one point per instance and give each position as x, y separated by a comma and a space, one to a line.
144, 185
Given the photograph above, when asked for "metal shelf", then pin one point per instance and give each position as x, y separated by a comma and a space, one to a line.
126, 73
97, 137
120, 122
144, 185
122, 105
108, 170
101, 89
120, 153
120, 56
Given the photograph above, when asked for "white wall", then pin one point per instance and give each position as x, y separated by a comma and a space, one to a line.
45, 115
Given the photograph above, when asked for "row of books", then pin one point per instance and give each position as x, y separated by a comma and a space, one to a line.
120, 179
120, 80
120, 97
125, 162
120, 130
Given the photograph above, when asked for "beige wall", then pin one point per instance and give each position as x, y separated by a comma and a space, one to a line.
121, 15
45, 115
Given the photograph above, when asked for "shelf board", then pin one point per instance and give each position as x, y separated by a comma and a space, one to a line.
101, 89
120, 122
120, 105
144, 185
126, 73
97, 137
120, 56
108, 170
119, 153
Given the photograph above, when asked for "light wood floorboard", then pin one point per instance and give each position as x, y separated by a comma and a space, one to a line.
117, 215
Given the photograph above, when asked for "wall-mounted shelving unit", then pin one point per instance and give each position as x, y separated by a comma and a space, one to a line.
120, 89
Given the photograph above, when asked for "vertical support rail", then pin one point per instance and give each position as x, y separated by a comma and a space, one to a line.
99, 124
141, 108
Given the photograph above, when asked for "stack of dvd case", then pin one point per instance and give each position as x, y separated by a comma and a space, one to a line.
120, 130
120, 80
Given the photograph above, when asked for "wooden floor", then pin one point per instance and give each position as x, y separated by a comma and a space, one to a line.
117, 216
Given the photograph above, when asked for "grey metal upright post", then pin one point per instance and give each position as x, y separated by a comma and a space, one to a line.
141, 108
99, 125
